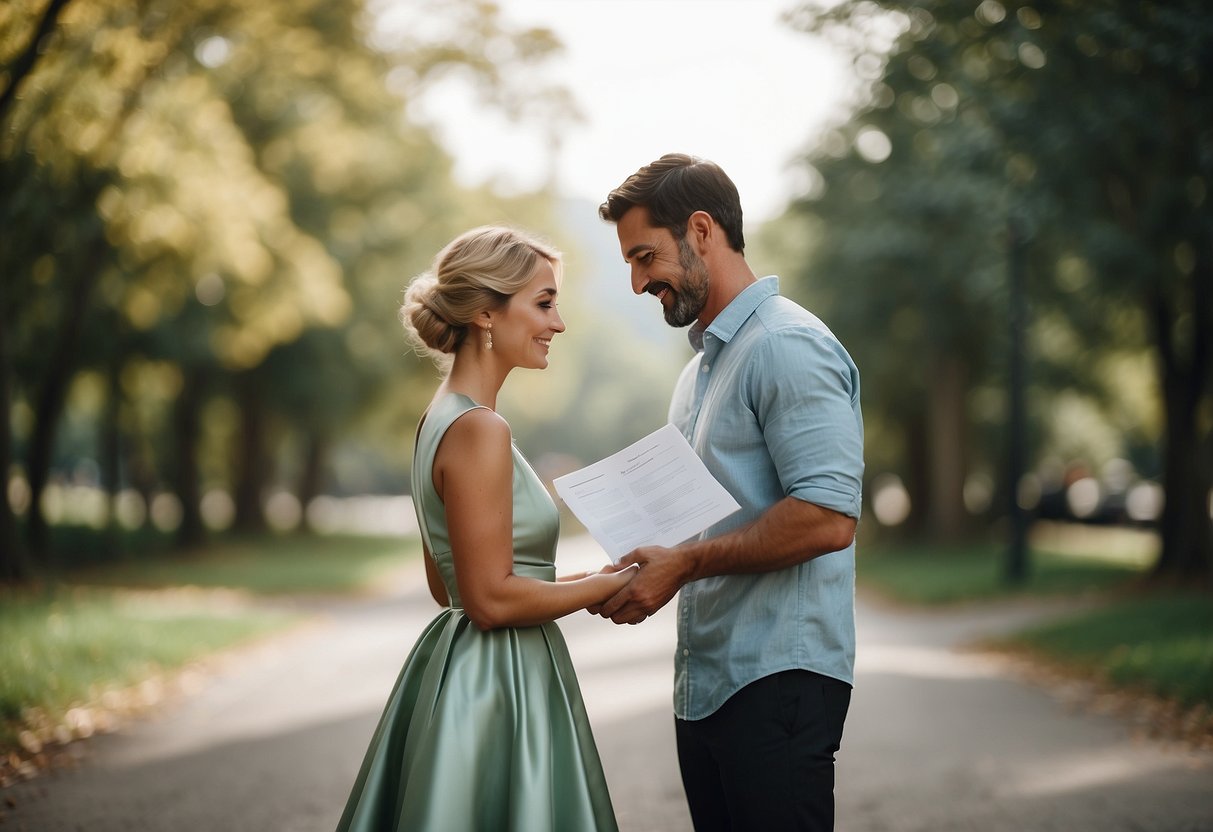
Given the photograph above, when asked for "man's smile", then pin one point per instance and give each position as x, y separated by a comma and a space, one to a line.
659, 290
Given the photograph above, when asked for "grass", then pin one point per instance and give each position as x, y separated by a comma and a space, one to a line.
1162, 645
76, 647
106, 628
1157, 642
950, 574
268, 565
83, 643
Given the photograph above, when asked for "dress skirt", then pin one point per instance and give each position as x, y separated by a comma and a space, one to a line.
484, 730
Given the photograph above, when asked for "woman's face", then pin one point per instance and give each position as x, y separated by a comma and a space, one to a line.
523, 330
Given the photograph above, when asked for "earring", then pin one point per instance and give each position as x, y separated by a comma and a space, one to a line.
488, 338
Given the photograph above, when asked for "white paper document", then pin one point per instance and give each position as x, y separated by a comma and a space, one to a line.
653, 492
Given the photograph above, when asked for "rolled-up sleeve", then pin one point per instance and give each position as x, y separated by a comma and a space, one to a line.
771, 405
803, 389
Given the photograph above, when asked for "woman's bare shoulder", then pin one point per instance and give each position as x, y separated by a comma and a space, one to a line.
477, 431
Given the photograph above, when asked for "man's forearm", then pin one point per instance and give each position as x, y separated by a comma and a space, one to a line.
790, 532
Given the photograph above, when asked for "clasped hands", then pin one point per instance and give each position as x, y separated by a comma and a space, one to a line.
659, 577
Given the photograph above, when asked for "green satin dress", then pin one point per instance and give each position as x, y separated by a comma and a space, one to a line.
484, 730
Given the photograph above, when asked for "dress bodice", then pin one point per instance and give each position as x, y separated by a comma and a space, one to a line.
536, 520
484, 729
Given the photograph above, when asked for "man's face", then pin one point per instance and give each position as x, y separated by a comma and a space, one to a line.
667, 268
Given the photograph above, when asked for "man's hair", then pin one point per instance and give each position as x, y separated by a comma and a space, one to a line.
673, 188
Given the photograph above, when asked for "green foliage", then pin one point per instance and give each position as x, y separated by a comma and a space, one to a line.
79, 547
146, 158
948, 574
71, 649
269, 565
1161, 644
108, 628
213, 208
1080, 128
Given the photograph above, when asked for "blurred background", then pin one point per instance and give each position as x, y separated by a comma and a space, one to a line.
209, 211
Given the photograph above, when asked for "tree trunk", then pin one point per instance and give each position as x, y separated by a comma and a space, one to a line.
1186, 554
312, 476
14, 565
251, 468
918, 473
946, 446
187, 426
111, 453
53, 396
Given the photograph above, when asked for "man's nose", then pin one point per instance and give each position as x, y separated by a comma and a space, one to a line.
639, 280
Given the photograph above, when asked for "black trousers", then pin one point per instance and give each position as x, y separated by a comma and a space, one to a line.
765, 759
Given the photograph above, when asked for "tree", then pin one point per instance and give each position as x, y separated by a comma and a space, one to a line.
225, 189
906, 212
1113, 185
114, 104
14, 565
372, 186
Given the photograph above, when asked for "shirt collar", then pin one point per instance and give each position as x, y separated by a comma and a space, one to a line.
736, 313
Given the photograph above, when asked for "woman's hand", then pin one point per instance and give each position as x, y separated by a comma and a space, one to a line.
576, 576
617, 577
662, 572
613, 578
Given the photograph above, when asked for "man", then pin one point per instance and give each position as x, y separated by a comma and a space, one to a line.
770, 402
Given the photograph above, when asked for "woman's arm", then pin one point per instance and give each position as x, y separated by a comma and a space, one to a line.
474, 475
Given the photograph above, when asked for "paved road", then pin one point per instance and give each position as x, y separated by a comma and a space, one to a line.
938, 738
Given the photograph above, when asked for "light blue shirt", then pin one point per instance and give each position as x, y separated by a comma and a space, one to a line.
770, 402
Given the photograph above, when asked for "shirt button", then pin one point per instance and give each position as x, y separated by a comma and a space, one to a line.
704, 368
686, 652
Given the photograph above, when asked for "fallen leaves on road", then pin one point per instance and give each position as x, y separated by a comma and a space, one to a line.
1150, 716
46, 741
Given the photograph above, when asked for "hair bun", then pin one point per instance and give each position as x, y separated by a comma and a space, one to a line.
479, 270
424, 319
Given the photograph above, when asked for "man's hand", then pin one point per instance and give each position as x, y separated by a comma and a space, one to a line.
662, 574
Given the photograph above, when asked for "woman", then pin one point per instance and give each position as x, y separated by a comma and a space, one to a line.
486, 728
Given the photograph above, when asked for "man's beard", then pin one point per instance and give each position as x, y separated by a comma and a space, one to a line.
690, 299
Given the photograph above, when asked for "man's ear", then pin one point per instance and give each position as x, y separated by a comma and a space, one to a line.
702, 231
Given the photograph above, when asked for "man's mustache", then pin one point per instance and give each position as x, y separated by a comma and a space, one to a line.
658, 288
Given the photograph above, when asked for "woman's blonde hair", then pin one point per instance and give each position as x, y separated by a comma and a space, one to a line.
479, 270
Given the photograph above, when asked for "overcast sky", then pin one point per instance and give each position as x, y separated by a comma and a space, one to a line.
722, 79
